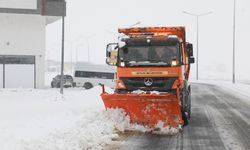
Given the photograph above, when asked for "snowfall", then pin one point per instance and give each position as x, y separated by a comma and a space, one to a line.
43, 119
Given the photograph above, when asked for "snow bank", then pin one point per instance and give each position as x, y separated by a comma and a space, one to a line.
43, 119
93, 130
243, 89
239, 87
122, 123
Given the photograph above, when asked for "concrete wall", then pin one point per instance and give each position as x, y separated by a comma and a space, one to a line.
21, 4
24, 35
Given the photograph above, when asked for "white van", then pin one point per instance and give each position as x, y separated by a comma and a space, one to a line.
88, 75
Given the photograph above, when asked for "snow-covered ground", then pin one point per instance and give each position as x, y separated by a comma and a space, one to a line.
241, 88
42, 119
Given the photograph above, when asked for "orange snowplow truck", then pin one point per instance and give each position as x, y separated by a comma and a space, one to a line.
153, 67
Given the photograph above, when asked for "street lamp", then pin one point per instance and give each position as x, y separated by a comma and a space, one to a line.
234, 15
197, 36
137, 23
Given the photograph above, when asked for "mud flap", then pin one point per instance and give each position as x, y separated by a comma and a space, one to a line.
147, 109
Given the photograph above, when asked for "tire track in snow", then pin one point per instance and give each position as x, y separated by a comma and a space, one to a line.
219, 121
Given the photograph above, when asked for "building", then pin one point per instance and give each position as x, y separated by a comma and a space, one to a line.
22, 40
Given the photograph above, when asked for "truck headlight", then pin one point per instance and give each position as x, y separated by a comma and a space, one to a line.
122, 64
174, 62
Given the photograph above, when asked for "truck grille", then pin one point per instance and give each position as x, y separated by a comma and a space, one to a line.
162, 84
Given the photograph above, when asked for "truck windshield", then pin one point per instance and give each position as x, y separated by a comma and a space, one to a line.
150, 55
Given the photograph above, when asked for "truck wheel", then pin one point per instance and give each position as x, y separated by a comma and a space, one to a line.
185, 118
189, 104
186, 104
184, 109
87, 85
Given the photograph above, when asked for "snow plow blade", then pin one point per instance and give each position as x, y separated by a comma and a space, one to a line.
147, 109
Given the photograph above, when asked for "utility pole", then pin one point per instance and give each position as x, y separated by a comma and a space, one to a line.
62, 59
197, 38
234, 16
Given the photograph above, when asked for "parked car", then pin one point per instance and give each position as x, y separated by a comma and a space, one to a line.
67, 81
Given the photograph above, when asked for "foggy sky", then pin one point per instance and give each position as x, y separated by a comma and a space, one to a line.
97, 21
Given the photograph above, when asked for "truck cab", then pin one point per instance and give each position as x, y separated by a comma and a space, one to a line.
150, 62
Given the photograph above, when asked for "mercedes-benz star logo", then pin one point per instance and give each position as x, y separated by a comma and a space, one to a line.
148, 81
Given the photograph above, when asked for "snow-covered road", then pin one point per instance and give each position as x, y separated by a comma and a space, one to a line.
220, 120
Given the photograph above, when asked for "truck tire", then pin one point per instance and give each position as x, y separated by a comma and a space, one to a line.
87, 85
186, 103
184, 110
185, 118
189, 103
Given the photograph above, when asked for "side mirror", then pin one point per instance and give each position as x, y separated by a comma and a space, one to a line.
111, 54
190, 50
191, 60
